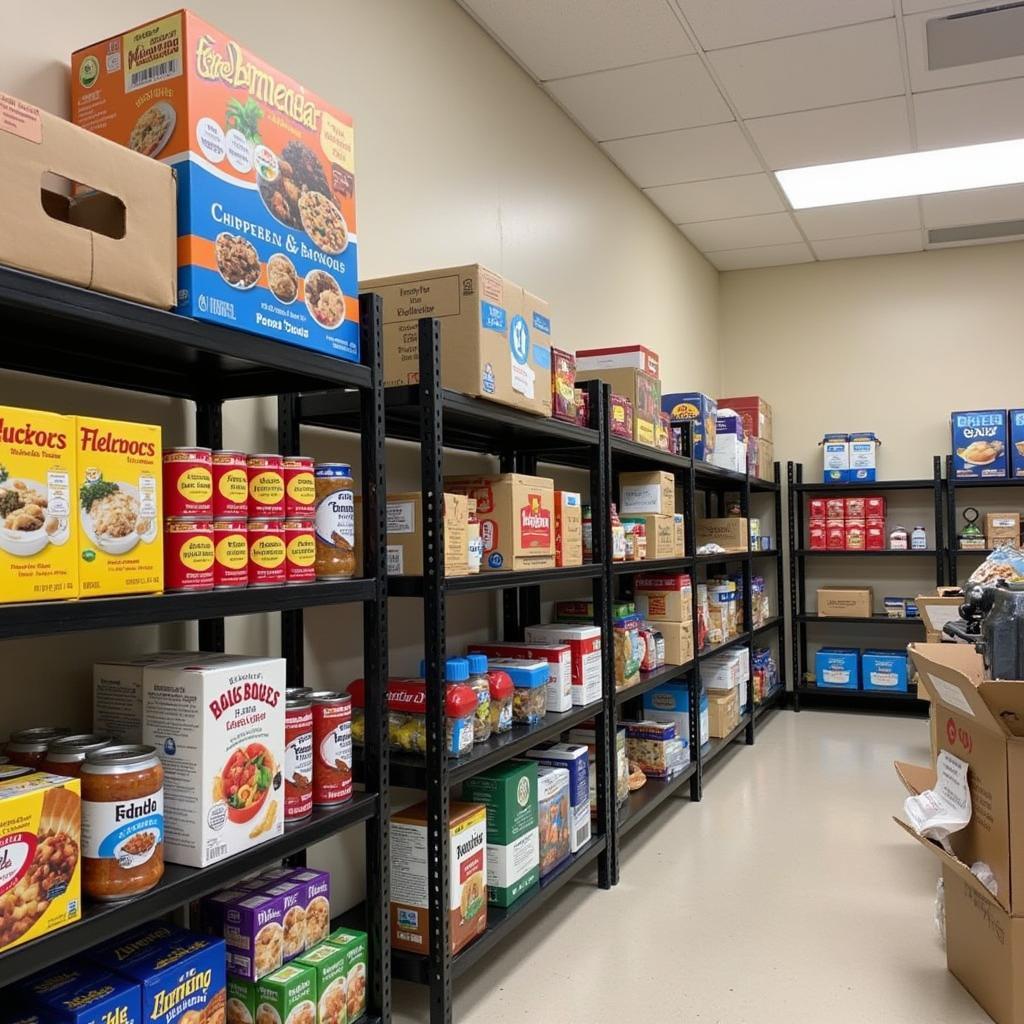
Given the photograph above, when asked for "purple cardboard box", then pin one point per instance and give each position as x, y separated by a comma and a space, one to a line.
293, 900
318, 903
211, 910
254, 933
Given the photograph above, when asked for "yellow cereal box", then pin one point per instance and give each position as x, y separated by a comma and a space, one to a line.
120, 507
40, 862
38, 525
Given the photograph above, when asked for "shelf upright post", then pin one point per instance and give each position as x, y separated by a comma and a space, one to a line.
375, 658
796, 604
210, 434
438, 792
292, 643
939, 516
512, 619
780, 572
693, 677
748, 614
954, 541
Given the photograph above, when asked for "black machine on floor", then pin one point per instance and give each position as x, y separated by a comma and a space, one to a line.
993, 620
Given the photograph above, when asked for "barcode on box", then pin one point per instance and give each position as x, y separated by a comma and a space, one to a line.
217, 851
582, 835
155, 73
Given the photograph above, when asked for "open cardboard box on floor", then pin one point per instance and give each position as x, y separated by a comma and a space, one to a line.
981, 722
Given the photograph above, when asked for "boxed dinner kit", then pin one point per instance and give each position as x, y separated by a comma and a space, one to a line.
649, 492
354, 946
568, 529
517, 520
979, 441
253, 929
287, 993
118, 239
330, 974
699, 409
574, 758
495, 335
265, 173
78, 995
642, 389
731, 533
558, 656
585, 644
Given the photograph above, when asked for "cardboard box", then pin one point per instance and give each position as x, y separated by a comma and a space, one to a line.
563, 386
846, 602
355, 947
647, 493
837, 668
558, 657
118, 240
670, 702
266, 179
643, 390
702, 411
679, 535
723, 712
620, 416
979, 444
517, 520
657, 749
664, 597
760, 458
568, 529
1015, 424
328, 964
935, 612
585, 644
635, 357
495, 336
724, 671
678, 637
863, 448
835, 458
1002, 528
730, 451
756, 414
731, 533
660, 533
574, 758
884, 670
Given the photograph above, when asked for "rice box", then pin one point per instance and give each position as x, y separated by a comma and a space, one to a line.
265, 170
355, 947
979, 444
289, 994
573, 757
38, 506
553, 817
509, 792
92, 997
328, 965
218, 726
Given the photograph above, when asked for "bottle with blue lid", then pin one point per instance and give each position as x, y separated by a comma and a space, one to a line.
481, 685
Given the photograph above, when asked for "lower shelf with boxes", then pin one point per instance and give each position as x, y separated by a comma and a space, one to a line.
847, 668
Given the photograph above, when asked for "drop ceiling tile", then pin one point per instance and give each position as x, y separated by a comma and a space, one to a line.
868, 245
922, 80
882, 217
720, 23
693, 154
645, 98
843, 65
557, 39
855, 131
974, 206
718, 198
917, 6
761, 256
970, 114
742, 232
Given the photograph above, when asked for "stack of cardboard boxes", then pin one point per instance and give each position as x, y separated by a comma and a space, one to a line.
650, 498
665, 600
632, 372
726, 677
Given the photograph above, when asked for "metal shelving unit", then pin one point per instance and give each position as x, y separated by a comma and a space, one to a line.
804, 690
60, 331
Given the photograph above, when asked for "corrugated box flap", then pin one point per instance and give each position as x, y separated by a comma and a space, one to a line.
952, 673
1005, 699
916, 777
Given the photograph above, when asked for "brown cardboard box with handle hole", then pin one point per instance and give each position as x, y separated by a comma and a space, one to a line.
731, 533
845, 602
120, 239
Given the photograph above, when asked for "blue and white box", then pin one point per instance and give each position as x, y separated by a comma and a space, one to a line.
573, 757
885, 671
702, 411
979, 444
92, 997
862, 446
835, 458
670, 702
1016, 426
837, 668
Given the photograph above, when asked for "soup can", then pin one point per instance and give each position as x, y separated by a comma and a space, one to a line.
266, 486
299, 486
231, 553
230, 485
28, 747
266, 553
298, 757
188, 482
300, 550
188, 554
332, 747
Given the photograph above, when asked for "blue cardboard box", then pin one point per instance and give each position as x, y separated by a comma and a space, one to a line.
884, 670
1015, 418
670, 702
837, 668
703, 411
94, 997
979, 444
862, 457
835, 458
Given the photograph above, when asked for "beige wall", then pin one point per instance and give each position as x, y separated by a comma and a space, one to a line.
891, 344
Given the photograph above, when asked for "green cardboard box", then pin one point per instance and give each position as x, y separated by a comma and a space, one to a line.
355, 947
241, 994
286, 990
509, 792
328, 962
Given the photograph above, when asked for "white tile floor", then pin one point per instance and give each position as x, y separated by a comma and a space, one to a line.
786, 895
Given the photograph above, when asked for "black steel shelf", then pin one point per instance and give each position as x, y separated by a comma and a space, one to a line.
873, 485
762, 553
841, 691
989, 482
650, 796
967, 552
714, 747
887, 553
412, 586
501, 921
652, 565
59, 330
706, 473
638, 454
764, 486
722, 556
874, 620
649, 680
775, 699
45, 618
772, 622
733, 641
179, 886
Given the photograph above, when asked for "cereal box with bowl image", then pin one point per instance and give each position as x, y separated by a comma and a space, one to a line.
979, 444
218, 727
265, 169
38, 520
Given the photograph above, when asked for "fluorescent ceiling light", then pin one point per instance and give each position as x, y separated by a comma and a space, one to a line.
909, 174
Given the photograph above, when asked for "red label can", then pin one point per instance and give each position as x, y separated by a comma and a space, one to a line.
230, 485
266, 553
188, 554
188, 482
266, 486
332, 747
231, 553
300, 550
299, 486
298, 758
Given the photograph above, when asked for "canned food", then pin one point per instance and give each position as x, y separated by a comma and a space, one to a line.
300, 550
230, 554
299, 486
188, 482
266, 553
332, 747
66, 756
266, 486
298, 756
230, 484
28, 746
294, 692
335, 521
188, 554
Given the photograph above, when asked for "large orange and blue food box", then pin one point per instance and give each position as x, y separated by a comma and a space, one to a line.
265, 169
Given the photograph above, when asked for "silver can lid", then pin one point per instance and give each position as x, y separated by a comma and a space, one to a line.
120, 758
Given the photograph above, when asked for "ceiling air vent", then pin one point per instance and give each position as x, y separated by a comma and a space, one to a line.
976, 232
975, 37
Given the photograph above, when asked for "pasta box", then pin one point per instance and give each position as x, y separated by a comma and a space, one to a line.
1015, 422
93, 997
699, 409
328, 965
979, 444
355, 947
553, 816
290, 992
574, 758
836, 668
253, 929
265, 172
884, 670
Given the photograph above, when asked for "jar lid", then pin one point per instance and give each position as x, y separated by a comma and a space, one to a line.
477, 664
525, 674
120, 758
76, 747
459, 700
456, 670
38, 738
501, 684
329, 469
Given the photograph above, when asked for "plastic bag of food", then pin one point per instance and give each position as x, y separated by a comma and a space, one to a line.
1006, 563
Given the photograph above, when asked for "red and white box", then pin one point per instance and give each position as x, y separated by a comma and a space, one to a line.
558, 656
874, 535
835, 508
585, 644
633, 357
817, 508
874, 506
855, 534
855, 508
817, 537
835, 534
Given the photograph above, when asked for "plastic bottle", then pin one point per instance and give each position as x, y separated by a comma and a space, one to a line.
476, 541
588, 534
460, 725
919, 539
618, 536
479, 680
